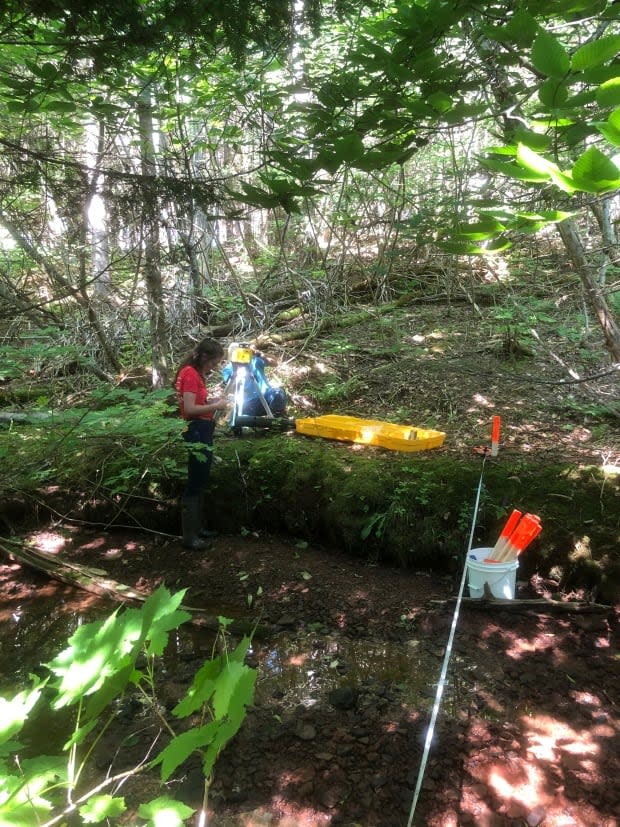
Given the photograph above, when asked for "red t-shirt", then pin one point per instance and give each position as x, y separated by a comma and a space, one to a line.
190, 381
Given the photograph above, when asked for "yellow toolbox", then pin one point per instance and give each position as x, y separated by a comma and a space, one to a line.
370, 432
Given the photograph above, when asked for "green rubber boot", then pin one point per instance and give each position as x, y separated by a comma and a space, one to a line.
191, 520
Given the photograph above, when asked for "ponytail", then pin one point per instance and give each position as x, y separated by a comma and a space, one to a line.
207, 347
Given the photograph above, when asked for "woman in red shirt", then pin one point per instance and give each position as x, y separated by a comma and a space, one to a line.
198, 410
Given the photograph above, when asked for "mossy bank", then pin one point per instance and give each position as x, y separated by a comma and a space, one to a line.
411, 510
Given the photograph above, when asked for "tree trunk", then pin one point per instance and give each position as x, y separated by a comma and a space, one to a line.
569, 234
611, 251
152, 270
96, 214
59, 282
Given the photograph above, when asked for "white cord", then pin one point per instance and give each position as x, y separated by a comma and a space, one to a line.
446, 661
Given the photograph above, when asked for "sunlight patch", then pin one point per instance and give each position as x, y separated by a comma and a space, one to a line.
548, 737
479, 399
530, 789
49, 542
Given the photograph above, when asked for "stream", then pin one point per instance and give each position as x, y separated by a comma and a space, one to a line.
299, 667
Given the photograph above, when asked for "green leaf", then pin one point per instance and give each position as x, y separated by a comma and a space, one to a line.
509, 149
58, 106
461, 248
440, 101
596, 52
80, 734
535, 140
48, 71
204, 684
234, 689
328, 161
348, 147
281, 186
549, 216
461, 112
100, 807
611, 129
595, 172
521, 29
160, 614
610, 132
14, 712
241, 650
18, 105
201, 690
113, 688
553, 93
95, 652
166, 812
580, 99
512, 170
257, 197
537, 164
101, 655
533, 161
25, 794
549, 56
608, 93
614, 119
479, 230
182, 746
499, 245
600, 74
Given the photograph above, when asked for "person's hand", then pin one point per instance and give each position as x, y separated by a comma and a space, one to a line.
219, 404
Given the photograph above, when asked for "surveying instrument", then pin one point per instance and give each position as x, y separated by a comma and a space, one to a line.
242, 383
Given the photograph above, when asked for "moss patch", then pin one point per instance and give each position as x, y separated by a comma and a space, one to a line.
417, 510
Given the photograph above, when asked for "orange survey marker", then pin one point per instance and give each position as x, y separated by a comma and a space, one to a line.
528, 528
507, 530
495, 436
484, 450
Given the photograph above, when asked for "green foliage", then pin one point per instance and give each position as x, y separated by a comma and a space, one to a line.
104, 662
125, 443
37, 350
331, 391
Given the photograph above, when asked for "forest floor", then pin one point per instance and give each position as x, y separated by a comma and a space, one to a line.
528, 732
348, 664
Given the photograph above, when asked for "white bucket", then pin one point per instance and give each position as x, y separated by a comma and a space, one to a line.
501, 577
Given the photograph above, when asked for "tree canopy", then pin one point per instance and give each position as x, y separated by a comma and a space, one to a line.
139, 139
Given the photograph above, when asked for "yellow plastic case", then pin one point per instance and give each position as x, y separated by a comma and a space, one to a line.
371, 432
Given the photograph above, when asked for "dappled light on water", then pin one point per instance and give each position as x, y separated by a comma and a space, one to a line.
303, 668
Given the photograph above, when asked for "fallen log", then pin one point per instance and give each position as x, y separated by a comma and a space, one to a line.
541, 605
96, 581
23, 416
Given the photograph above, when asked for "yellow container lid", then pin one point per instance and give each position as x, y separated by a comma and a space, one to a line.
371, 432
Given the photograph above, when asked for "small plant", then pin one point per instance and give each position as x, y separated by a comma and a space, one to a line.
104, 662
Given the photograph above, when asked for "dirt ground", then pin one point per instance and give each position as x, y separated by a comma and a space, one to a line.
348, 662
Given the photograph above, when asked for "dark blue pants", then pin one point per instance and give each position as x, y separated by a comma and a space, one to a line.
200, 433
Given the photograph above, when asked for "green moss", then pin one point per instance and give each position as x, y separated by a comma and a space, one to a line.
414, 510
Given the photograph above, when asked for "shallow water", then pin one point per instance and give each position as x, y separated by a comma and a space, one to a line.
299, 667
